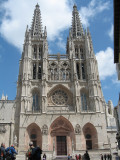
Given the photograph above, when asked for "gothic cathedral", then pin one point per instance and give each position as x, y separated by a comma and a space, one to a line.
59, 104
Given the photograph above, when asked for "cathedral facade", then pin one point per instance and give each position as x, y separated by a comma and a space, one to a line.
59, 104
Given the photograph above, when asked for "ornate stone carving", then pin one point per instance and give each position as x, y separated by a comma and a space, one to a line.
59, 97
2, 129
77, 129
45, 129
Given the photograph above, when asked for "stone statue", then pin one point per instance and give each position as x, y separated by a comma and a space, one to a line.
15, 140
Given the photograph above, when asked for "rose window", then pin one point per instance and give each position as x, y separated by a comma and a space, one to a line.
59, 97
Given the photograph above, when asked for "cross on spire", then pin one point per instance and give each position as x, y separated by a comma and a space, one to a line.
36, 28
77, 29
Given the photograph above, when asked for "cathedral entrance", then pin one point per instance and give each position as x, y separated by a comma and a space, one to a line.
91, 136
61, 145
33, 133
62, 136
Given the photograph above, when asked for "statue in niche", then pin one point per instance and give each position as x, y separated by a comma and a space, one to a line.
77, 129
45, 130
15, 140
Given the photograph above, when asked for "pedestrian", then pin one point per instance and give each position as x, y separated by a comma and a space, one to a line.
44, 156
80, 157
29, 152
11, 152
105, 156
108, 156
77, 157
2, 152
36, 153
101, 157
86, 156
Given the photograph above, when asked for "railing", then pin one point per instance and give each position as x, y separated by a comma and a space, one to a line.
59, 77
58, 56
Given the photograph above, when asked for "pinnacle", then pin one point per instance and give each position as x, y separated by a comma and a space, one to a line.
74, 6
36, 28
37, 5
77, 30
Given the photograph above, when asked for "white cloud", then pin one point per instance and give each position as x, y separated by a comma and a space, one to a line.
56, 15
110, 32
105, 63
94, 7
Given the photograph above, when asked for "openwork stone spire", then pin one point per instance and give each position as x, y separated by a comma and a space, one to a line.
77, 30
36, 28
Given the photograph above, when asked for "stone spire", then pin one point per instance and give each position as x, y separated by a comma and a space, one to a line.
36, 28
77, 29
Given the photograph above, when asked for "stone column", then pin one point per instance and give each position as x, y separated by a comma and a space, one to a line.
21, 142
45, 138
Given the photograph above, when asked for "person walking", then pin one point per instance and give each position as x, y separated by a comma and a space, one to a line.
101, 157
105, 156
44, 156
80, 157
12, 152
36, 153
77, 157
30, 151
86, 156
2, 152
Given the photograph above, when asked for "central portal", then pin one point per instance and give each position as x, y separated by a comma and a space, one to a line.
61, 145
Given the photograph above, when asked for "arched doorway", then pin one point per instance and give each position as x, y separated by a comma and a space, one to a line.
62, 136
91, 136
33, 133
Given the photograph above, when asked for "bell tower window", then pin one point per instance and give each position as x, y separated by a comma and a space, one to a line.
39, 72
78, 70
34, 71
40, 52
35, 52
84, 102
83, 71
76, 53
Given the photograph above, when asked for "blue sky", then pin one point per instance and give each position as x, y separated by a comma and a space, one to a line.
57, 16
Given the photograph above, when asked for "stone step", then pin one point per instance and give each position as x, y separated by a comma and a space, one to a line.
62, 158
20, 157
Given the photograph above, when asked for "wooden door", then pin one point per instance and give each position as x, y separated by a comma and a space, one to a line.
88, 144
61, 145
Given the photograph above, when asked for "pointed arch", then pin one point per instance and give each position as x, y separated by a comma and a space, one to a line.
90, 136
33, 133
61, 127
61, 87
84, 99
35, 99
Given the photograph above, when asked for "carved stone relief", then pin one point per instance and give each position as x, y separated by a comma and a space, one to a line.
45, 129
77, 129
